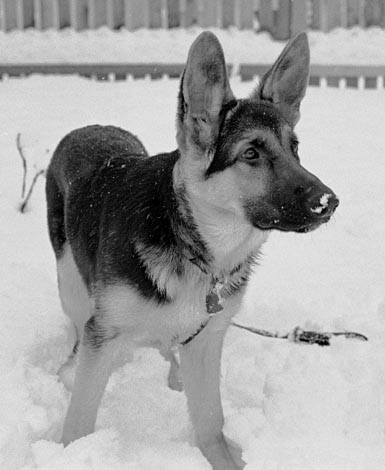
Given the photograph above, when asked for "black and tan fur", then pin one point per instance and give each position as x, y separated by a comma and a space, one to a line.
141, 241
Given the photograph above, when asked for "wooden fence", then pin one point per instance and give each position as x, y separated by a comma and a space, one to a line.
338, 76
282, 18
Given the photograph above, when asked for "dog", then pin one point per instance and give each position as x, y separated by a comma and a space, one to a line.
156, 251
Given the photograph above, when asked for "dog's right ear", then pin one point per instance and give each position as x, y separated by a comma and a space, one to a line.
204, 91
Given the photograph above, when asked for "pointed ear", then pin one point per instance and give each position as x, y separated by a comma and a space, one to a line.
285, 83
204, 91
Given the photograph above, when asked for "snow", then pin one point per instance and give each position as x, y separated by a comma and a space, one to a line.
323, 203
353, 46
289, 406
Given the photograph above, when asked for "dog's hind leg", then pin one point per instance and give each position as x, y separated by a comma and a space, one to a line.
200, 366
96, 356
76, 305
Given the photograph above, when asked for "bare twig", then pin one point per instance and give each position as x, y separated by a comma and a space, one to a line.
24, 161
35, 178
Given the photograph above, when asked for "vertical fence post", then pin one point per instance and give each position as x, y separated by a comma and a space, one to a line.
282, 20
164, 14
110, 14
153, 13
115, 13
330, 14
19, 14
182, 13
37, 14
46, 14
55, 14
208, 13
227, 13
237, 14
361, 13
2, 16
136, 14
344, 13
75, 20
219, 20
200, 10
266, 16
96, 13
374, 12
298, 16
8, 15
352, 12
244, 14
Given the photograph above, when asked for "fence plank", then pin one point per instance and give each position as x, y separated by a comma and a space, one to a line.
78, 14
115, 13
373, 12
19, 14
64, 13
136, 14
353, 12
330, 14
24, 14
344, 13
8, 15
265, 16
282, 16
173, 13
189, 13
38, 14
207, 13
361, 13
46, 14
155, 13
164, 14
298, 16
227, 13
244, 14
97, 15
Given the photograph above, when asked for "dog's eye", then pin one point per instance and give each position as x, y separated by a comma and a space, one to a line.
294, 147
251, 154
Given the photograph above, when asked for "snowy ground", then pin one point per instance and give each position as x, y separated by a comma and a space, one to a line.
341, 46
290, 407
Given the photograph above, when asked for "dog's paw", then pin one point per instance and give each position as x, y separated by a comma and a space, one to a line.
236, 453
223, 454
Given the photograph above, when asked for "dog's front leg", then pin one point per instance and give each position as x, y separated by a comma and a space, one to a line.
94, 368
200, 368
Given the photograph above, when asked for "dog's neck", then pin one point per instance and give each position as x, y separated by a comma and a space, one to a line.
217, 239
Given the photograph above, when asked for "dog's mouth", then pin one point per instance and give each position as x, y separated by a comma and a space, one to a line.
285, 225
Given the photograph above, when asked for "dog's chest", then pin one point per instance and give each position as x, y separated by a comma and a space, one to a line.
193, 299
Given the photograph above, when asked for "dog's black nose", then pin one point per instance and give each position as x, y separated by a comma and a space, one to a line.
322, 204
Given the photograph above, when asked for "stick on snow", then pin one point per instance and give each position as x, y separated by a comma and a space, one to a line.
298, 335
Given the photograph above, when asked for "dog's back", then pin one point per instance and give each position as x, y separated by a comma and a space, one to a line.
78, 158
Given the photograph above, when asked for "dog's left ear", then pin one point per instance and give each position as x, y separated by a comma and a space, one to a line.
285, 83
204, 91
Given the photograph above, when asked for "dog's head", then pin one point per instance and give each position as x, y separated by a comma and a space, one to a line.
242, 155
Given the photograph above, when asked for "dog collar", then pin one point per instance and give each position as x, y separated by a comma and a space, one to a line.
214, 304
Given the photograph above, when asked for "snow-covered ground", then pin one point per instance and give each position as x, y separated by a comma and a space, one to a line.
340, 46
290, 407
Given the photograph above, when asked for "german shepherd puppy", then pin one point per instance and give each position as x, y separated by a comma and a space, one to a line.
157, 250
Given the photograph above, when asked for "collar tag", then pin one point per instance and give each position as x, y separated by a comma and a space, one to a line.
214, 299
